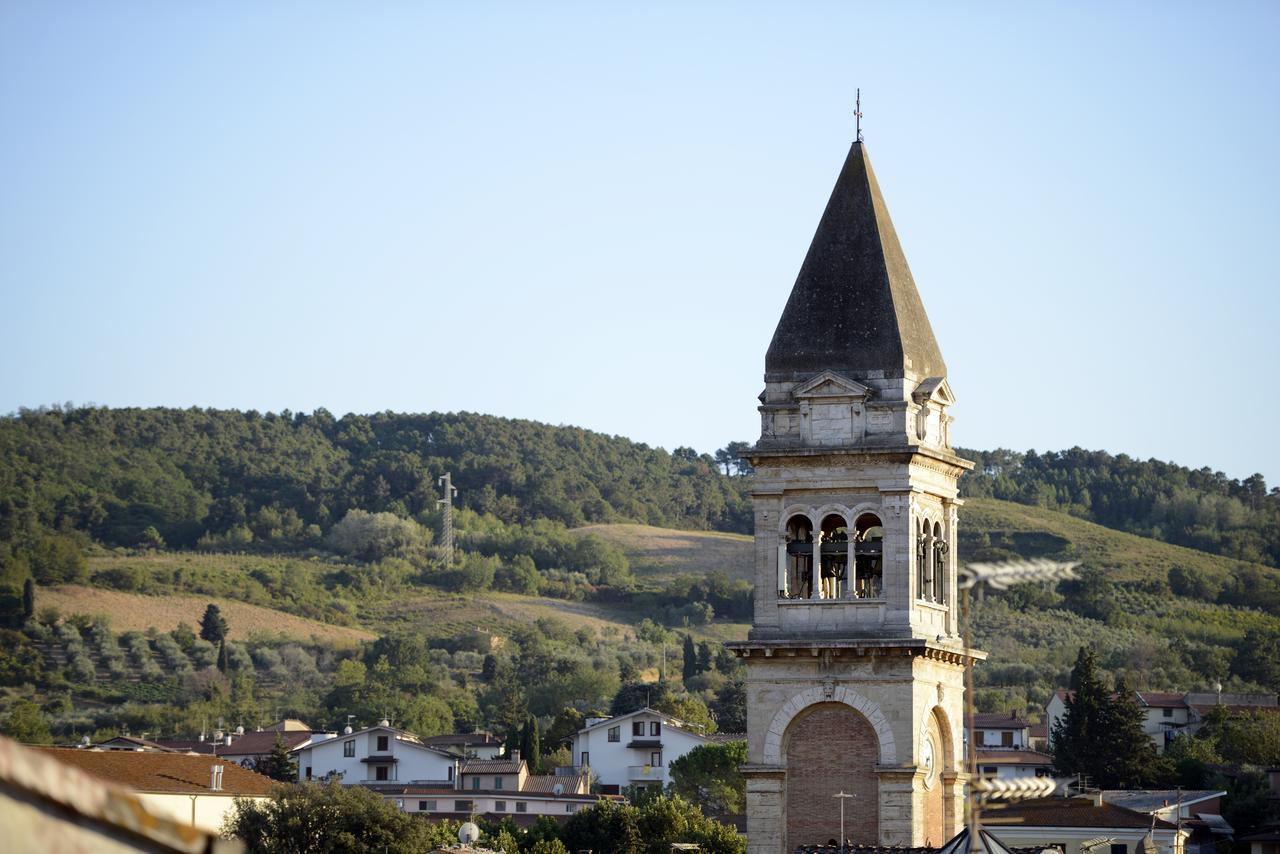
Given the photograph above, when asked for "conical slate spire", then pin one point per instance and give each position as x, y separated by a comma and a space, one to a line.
854, 307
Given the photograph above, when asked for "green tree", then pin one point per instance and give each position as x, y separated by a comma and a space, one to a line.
278, 764
27, 724
1101, 735
730, 706
530, 745
222, 656
710, 776
690, 668
151, 538
213, 627
28, 599
329, 819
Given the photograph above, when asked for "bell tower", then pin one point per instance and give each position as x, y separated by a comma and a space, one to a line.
855, 689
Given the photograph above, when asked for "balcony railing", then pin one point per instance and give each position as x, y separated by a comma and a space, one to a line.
643, 773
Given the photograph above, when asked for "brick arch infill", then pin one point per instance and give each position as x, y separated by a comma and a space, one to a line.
816, 695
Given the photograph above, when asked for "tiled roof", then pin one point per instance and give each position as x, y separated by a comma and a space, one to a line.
259, 743
1068, 812
1150, 800
129, 742
491, 766
727, 736
1162, 700
545, 784
162, 772
1013, 757
188, 745
94, 804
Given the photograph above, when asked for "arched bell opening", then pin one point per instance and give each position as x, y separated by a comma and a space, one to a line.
868, 556
834, 567
797, 576
924, 562
939, 592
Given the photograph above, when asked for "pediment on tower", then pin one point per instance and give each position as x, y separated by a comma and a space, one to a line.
829, 384
935, 389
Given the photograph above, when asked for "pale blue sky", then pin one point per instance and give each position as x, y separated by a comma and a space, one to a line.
592, 214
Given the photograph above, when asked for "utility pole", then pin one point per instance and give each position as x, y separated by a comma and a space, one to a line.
842, 796
446, 524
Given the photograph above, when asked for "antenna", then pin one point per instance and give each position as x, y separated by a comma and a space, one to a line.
857, 113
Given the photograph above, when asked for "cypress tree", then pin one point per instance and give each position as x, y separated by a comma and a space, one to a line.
530, 743
690, 668
28, 599
222, 657
1079, 736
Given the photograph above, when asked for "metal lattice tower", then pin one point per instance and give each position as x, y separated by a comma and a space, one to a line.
446, 523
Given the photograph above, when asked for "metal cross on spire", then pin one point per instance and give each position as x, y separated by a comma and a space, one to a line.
857, 113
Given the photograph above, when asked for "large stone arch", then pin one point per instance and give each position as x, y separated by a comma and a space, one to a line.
819, 694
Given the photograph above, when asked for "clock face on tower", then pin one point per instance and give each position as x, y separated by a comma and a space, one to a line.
928, 758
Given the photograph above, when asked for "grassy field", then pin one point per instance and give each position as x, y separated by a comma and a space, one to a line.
136, 612
661, 552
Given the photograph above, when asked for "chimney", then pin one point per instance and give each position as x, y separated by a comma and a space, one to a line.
515, 756
215, 777
1097, 799
228, 739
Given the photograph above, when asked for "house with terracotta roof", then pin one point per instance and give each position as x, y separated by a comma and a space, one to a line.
498, 788
376, 756
185, 788
252, 748
49, 805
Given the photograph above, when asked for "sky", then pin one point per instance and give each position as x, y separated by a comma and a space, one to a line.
593, 213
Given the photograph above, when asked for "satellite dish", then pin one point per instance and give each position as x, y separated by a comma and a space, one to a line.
557, 789
468, 833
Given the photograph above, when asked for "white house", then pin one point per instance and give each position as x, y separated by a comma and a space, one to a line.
1000, 730
380, 754
634, 749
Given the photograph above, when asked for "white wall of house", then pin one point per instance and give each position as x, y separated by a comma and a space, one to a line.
408, 761
207, 808
1009, 772
995, 737
490, 803
620, 757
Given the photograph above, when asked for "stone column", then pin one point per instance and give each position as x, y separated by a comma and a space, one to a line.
766, 808
955, 801
901, 805
851, 569
815, 567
